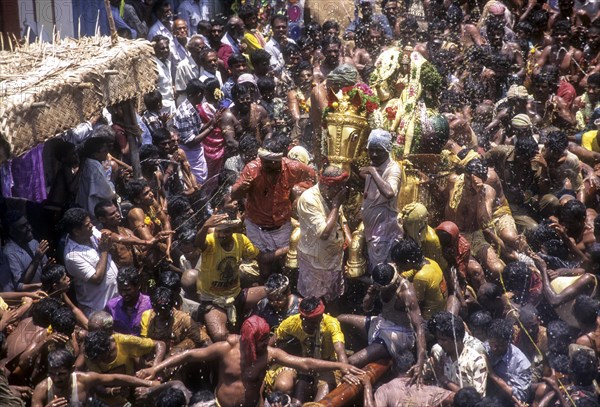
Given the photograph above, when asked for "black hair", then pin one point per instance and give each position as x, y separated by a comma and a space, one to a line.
148, 152
559, 362
556, 141
383, 274
466, 397
594, 253
594, 79
102, 136
583, 368
72, 219
134, 188
329, 24
562, 27
260, 56
160, 135
407, 251
480, 320
249, 144
247, 10
128, 276
278, 397
572, 210
100, 208
516, 276
194, 87
299, 68
494, 24
177, 205
171, 397
43, 310
309, 304
274, 146
61, 358
490, 401
560, 335
240, 89
500, 329
235, 59
170, 280
97, 344
153, 100
162, 298
444, 323
280, 17
63, 321
586, 309
210, 85
158, 38
51, 274
404, 361
275, 282
289, 49
205, 51
478, 168
265, 84
526, 147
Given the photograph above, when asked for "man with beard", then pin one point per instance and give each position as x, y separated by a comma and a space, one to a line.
246, 116
267, 183
177, 174
331, 49
252, 39
224, 51
243, 363
234, 32
369, 40
279, 25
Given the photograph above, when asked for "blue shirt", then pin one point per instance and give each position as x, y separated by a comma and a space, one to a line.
120, 23
375, 18
514, 368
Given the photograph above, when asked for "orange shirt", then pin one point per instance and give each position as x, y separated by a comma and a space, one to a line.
268, 203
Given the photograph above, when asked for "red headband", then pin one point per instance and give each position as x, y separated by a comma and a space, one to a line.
253, 330
331, 181
317, 312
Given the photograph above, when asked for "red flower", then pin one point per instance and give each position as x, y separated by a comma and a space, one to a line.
371, 106
347, 89
391, 112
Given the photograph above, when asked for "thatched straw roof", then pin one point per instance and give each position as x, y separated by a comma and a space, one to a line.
47, 88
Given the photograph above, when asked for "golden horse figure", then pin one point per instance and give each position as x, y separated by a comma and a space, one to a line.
346, 120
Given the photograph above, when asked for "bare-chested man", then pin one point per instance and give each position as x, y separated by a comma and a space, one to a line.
64, 387
394, 325
332, 51
470, 206
243, 363
148, 220
246, 117
369, 41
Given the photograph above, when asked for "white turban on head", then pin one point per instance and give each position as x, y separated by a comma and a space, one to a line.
380, 138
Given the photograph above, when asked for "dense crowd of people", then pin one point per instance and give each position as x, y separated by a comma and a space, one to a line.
246, 266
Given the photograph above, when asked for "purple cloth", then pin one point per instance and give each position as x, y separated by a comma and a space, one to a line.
27, 176
124, 322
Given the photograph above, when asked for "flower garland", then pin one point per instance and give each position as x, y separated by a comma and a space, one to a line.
151, 218
366, 103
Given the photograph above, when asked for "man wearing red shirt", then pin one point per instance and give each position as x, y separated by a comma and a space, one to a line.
267, 183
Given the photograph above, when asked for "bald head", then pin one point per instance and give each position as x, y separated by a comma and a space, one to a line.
100, 321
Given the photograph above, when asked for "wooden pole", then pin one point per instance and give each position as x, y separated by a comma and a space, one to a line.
114, 38
345, 393
134, 153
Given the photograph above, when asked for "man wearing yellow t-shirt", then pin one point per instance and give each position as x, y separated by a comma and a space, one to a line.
218, 283
428, 281
117, 353
320, 336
